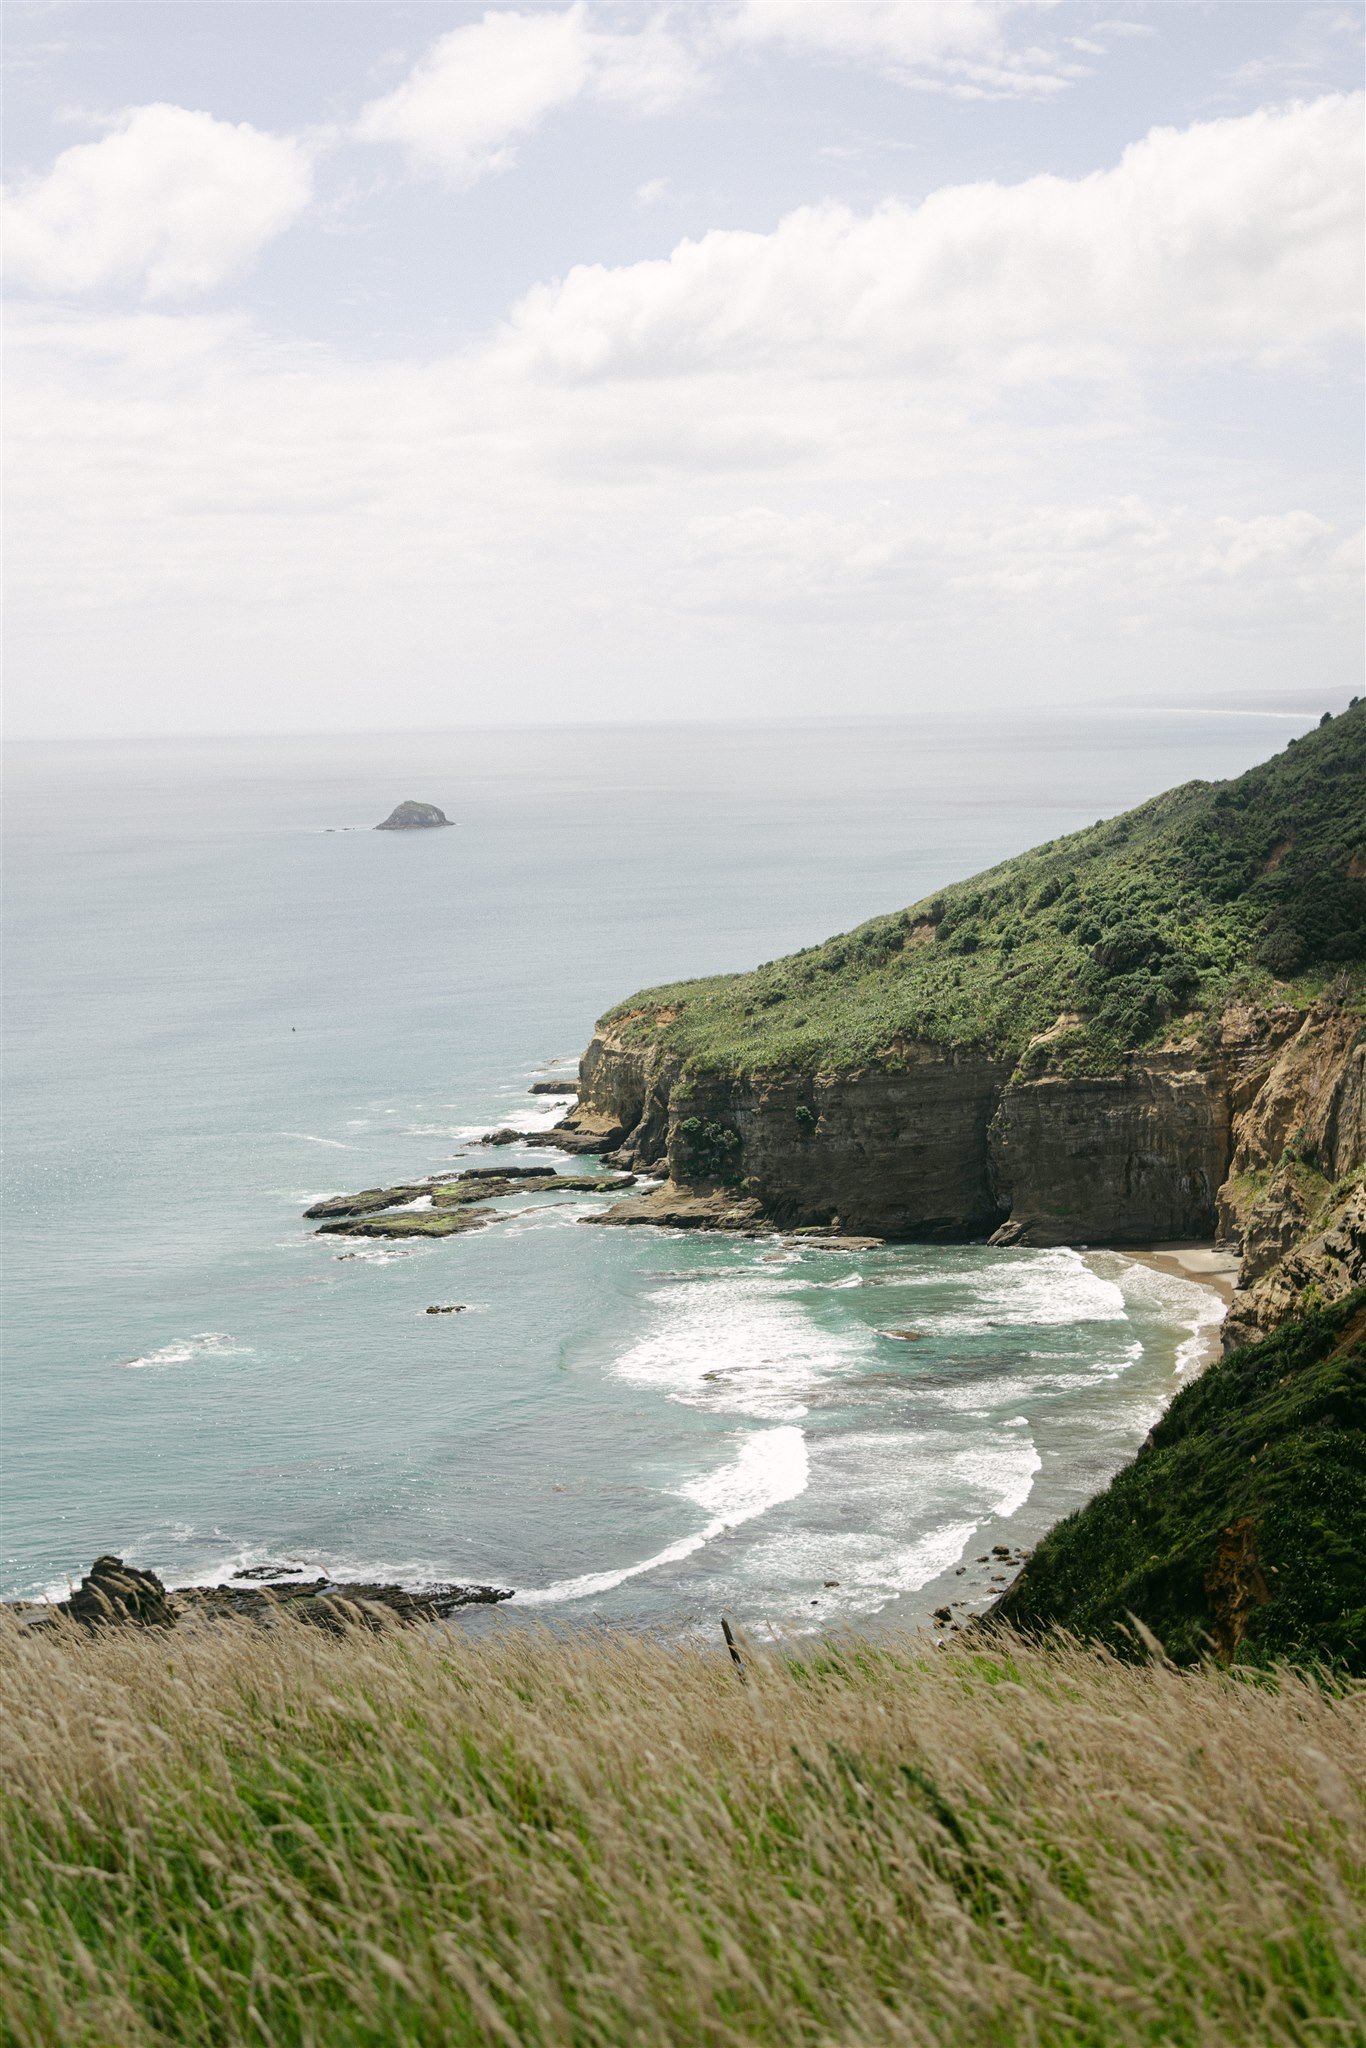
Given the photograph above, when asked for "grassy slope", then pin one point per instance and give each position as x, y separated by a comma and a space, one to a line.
1273, 1437
248, 1835
1210, 890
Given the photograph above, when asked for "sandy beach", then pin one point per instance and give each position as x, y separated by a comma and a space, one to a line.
1217, 1270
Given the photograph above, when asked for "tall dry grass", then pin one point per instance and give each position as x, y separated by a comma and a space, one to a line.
245, 1835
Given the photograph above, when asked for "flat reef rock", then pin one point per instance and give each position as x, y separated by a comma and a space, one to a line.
411, 817
456, 1201
675, 1208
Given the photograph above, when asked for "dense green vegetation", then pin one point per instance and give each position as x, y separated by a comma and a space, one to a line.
245, 1834
1242, 1524
1137, 927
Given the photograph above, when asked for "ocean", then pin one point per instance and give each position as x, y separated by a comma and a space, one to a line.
226, 996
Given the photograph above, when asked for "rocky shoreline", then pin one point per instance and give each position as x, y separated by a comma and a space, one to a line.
115, 1594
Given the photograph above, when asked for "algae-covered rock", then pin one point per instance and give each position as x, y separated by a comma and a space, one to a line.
411, 1223
384, 1212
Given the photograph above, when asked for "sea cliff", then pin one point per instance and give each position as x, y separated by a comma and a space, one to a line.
1149, 1031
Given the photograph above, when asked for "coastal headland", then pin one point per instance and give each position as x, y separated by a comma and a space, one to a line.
1147, 1033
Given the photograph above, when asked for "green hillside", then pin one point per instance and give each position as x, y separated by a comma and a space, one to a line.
1162, 914
1242, 1524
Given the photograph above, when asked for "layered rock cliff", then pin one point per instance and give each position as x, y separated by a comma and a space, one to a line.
956, 1147
1149, 1031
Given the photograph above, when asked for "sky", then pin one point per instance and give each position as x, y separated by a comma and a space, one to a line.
389, 366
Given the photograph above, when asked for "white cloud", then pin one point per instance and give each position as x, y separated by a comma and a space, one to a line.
786, 472
480, 89
1237, 237
172, 202
955, 46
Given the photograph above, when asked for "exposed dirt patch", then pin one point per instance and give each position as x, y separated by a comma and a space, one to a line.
1235, 1584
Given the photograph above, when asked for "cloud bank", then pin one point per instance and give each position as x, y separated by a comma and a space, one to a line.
1233, 237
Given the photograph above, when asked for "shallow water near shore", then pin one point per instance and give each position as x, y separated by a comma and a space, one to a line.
228, 997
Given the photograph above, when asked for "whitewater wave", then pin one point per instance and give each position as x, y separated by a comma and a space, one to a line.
772, 1468
748, 1345
1050, 1288
182, 1350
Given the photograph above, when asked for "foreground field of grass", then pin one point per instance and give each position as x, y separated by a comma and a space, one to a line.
276, 1835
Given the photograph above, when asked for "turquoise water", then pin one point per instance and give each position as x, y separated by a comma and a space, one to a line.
226, 998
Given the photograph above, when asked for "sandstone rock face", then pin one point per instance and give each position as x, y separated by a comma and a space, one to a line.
1136, 1158
889, 1153
1321, 1269
627, 1088
1308, 1109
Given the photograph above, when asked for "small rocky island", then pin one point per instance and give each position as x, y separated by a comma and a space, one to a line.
411, 817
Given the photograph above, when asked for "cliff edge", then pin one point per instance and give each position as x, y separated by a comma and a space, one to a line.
1150, 1030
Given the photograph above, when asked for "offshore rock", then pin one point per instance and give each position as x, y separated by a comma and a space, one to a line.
498, 1173
411, 817
413, 1223
375, 1198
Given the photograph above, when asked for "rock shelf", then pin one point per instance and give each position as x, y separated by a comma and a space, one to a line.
115, 1594
456, 1201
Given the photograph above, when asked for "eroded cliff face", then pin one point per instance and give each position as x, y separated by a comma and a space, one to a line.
1134, 1158
624, 1096
1323, 1267
1293, 1200
1258, 1138
897, 1153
